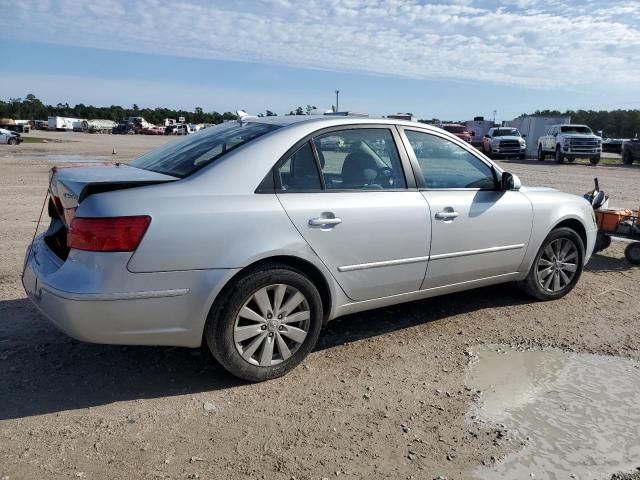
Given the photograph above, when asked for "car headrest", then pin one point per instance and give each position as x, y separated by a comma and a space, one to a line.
359, 169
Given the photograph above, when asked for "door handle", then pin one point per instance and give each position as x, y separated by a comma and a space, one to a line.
447, 215
326, 219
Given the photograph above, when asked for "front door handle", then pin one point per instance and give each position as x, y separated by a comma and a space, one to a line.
447, 215
327, 219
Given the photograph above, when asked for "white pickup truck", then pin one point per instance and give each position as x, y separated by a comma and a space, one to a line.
570, 142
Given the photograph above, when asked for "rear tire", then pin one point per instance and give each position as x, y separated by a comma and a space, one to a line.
556, 267
632, 253
571, 160
559, 157
249, 330
541, 154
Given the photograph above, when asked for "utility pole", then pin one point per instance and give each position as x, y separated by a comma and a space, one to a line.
494, 118
337, 93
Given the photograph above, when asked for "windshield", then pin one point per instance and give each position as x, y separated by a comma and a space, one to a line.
576, 129
506, 132
454, 128
183, 157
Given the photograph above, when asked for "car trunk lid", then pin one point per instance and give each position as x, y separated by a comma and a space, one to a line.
73, 184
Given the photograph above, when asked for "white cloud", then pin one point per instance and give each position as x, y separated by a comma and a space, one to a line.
531, 43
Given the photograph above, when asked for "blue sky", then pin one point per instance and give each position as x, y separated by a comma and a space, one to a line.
451, 59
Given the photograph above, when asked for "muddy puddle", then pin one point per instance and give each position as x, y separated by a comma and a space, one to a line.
578, 414
76, 158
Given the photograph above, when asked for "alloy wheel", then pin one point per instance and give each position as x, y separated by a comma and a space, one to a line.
558, 264
272, 325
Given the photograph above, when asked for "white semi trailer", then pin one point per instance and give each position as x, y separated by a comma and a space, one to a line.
62, 123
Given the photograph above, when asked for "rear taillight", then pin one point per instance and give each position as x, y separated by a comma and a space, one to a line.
110, 234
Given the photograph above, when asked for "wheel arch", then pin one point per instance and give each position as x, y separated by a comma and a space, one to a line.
575, 225
569, 220
304, 266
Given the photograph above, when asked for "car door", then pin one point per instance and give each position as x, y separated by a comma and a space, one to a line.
347, 194
478, 230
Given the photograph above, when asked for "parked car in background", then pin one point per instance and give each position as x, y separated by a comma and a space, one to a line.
613, 145
251, 235
631, 151
121, 128
570, 142
458, 130
182, 129
9, 137
153, 131
504, 142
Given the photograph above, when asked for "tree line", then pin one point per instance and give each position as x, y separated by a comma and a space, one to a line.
32, 108
613, 123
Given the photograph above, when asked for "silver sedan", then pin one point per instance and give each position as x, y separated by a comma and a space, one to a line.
252, 235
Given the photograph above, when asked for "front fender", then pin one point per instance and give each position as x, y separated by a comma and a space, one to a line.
550, 209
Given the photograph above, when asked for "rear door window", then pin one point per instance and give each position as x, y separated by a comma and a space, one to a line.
299, 172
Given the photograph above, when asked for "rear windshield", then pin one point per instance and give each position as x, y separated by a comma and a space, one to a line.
454, 128
183, 157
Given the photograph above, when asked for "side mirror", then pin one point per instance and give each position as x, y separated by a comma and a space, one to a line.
487, 136
524, 135
472, 133
555, 134
510, 181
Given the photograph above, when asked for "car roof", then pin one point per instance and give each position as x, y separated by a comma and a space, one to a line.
325, 121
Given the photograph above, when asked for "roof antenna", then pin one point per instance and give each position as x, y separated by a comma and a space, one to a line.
244, 116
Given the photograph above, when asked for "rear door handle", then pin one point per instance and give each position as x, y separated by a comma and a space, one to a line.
326, 219
447, 215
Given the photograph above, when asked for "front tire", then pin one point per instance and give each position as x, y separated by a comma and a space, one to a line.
559, 157
12, 141
627, 158
541, 155
557, 267
594, 160
265, 323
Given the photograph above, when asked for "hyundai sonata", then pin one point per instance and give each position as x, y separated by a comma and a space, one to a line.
251, 235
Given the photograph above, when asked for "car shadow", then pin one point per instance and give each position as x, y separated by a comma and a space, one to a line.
604, 263
373, 323
44, 371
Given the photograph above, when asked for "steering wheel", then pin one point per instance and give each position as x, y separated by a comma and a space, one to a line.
385, 176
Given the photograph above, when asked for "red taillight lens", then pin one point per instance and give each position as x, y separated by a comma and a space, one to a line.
111, 234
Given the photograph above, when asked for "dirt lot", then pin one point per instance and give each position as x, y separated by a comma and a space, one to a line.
383, 395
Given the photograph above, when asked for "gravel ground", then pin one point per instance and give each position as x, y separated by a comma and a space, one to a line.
383, 395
